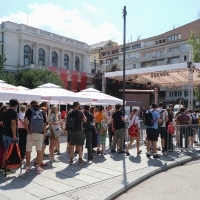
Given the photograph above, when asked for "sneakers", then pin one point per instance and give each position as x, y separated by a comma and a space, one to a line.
156, 156
127, 153
81, 162
113, 151
148, 155
71, 162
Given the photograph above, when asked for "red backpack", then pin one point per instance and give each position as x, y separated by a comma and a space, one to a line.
13, 157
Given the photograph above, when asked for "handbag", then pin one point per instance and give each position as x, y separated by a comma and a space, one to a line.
57, 130
170, 128
133, 130
104, 125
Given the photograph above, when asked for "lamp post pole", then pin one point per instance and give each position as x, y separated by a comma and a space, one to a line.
32, 54
124, 12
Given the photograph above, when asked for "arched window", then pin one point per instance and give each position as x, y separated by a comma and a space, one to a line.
77, 63
54, 59
66, 61
41, 57
27, 55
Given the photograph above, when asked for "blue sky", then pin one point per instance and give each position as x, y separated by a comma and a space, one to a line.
93, 21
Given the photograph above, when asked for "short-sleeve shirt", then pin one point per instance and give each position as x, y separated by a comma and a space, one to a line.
117, 118
183, 119
99, 117
156, 116
29, 113
164, 115
135, 120
8, 116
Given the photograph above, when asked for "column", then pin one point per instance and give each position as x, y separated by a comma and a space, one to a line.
82, 63
73, 60
21, 53
62, 58
36, 54
50, 55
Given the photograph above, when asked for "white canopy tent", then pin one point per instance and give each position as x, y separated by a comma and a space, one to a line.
8, 92
22, 88
56, 94
90, 90
164, 75
98, 98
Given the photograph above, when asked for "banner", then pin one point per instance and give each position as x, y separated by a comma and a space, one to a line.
74, 81
52, 69
83, 80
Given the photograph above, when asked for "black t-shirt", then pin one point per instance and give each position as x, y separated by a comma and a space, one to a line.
29, 113
8, 116
79, 116
1, 135
117, 118
90, 118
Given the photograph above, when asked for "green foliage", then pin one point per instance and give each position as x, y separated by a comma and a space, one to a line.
8, 78
194, 41
33, 78
2, 61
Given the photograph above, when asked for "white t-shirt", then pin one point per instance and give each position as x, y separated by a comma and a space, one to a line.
164, 115
137, 121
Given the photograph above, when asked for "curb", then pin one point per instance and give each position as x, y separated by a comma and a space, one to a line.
120, 189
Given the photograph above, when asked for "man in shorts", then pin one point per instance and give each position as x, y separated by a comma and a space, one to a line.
76, 134
152, 132
34, 138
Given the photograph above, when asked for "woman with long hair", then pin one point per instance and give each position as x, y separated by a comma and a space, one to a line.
53, 120
134, 119
2, 110
94, 132
101, 130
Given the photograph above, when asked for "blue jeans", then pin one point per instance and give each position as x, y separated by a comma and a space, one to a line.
7, 141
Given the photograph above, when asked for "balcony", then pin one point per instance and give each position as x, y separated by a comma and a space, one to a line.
173, 54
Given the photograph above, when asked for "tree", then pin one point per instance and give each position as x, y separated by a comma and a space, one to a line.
194, 41
2, 61
33, 78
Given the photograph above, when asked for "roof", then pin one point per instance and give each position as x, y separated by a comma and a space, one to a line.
100, 44
164, 75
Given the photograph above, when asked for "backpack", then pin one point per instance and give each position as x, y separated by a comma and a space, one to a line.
72, 120
36, 122
161, 117
13, 157
195, 119
148, 118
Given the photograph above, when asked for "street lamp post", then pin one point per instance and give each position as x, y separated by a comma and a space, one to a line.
95, 66
124, 12
32, 54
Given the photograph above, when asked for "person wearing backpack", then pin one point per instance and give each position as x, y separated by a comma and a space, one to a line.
151, 120
9, 128
75, 119
35, 124
118, 125
162, 125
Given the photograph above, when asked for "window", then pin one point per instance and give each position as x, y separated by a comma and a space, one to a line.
160, 41
114, 51
137, 46
134, 66
27, 55
66, 61
41, 57
127, 48
106, 54
172, 49
169, 38
174, 37
179, 36
174, 60
54, 59
77, 64
185, 93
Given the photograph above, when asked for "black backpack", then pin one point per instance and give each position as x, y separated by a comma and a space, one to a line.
161, 117
13, 158
72, 120
148, 118
195, 119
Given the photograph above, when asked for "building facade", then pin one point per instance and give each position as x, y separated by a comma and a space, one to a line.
27, 47
168, 48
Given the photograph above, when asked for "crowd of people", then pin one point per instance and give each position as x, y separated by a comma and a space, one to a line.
39, 125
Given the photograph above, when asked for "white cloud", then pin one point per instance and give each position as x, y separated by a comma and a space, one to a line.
90, 7
69, 23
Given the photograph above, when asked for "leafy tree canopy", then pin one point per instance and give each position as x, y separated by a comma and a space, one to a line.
33, 78
2, 61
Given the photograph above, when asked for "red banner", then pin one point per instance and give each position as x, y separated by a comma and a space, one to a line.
83, 81
52, 69
74, 81
64, 77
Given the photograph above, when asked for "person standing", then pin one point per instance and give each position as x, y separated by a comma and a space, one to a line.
76, 134
162, 126
88, 130
152, 132
35, 124
94, 130
10, 127
118, 128
22, 132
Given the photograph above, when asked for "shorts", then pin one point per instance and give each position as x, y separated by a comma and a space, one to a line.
162, 131
7, 141
76, 137
152, 134
34, 139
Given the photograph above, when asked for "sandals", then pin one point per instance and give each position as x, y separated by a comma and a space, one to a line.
39, 170
139, 152
43, 164
28, 169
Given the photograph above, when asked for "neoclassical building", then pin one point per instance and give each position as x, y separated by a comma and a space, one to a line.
27, 47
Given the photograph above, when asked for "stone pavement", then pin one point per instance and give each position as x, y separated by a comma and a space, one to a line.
105, 178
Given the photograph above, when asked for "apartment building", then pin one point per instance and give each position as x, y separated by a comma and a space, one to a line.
27, 47
168, 48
